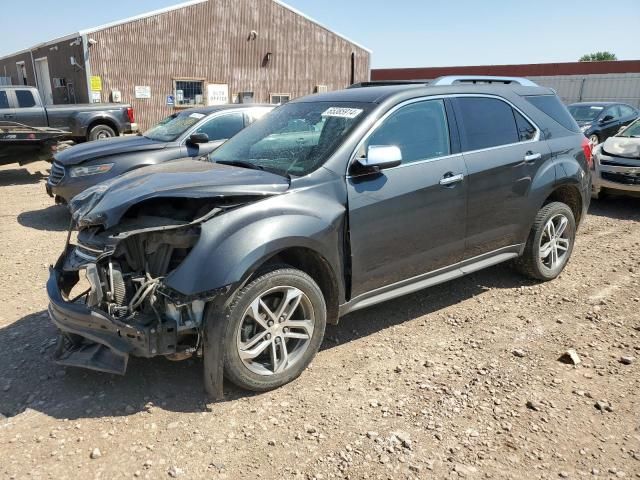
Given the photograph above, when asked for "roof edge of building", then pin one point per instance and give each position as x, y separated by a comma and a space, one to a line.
320, 24
142, 16
70, 36
160, 11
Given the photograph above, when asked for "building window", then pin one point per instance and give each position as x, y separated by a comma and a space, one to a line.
279, 98
189, 93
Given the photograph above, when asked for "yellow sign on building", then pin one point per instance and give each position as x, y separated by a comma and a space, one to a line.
96, 84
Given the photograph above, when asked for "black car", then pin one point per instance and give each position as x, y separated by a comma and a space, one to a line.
332, 203
190, 133
601, 120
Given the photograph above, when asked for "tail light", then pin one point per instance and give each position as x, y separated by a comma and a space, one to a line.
130, 115
588, 151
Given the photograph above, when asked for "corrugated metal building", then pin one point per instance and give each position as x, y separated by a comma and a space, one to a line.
195, 53
574, 81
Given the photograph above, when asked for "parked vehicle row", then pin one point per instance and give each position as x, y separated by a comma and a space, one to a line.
601, 120
190, 133
329, 204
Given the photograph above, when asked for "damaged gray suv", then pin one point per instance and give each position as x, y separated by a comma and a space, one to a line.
329, 204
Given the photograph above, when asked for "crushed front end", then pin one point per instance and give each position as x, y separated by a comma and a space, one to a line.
107, 293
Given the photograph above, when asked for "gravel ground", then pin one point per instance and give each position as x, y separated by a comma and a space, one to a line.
461, 380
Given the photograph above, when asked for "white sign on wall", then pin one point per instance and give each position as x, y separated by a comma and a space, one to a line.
217, 94
143, 91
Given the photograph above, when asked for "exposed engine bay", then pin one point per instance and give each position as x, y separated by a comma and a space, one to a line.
125, 268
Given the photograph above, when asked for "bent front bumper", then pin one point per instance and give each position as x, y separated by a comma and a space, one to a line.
93, 339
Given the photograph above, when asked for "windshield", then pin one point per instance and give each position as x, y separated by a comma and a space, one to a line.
585, 113
295, 139
632, 130
173, 126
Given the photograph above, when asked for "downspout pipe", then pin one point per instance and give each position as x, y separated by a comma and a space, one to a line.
35, 73
87, 65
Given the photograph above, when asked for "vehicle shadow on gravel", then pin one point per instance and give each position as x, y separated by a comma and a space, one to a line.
30, 378
54, 218
21, 176
616, 207
425, 302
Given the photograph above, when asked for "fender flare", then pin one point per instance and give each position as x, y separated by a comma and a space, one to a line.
226, 255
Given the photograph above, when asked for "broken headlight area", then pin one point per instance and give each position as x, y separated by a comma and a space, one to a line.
118, 276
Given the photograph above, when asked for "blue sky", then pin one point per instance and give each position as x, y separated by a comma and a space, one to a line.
401, 33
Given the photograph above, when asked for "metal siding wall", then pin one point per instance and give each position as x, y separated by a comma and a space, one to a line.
211, 41
9, 65
613, 87
60, 67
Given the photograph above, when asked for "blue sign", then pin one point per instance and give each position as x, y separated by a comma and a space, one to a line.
170, 100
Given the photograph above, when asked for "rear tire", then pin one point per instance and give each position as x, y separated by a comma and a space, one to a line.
101, 132
550, 243
265, 353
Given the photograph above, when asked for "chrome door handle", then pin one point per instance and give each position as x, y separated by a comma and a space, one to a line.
451, 179
532, 157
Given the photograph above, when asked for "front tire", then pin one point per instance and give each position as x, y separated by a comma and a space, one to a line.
550, 243
275, 326
101, 132
594, 139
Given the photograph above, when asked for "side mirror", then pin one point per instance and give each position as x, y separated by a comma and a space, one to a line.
198, 138
378, 158
606, 119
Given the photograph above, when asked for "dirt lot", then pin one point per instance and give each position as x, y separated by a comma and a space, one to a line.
462, 380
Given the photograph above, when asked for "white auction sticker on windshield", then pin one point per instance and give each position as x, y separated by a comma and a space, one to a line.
342, 112
197, 115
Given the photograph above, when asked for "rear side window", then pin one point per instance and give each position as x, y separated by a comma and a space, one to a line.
553, 107
25, 99
627, 111
486, 122
526, 131
4, 100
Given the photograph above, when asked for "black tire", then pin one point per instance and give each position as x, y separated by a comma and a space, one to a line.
530, 263
594, 138
100, 132
235, 369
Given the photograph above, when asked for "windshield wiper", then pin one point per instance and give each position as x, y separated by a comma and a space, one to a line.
240, 163
253, 166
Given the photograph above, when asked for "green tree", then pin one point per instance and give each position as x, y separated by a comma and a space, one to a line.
599, 57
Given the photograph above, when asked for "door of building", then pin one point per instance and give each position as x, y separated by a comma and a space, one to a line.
44, 80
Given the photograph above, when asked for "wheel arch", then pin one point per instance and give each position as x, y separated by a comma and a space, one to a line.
316, 266
570, 195
103, 121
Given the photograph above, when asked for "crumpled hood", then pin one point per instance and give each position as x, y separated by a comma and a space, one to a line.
622, 147
106, 203
104, 148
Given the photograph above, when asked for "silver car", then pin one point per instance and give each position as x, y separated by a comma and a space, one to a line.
617, 163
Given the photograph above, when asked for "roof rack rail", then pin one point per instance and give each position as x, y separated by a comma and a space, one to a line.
453, 79
388, 83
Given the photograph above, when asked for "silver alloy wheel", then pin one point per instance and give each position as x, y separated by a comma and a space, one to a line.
103, 135
555, 242
275, 330
594, 140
